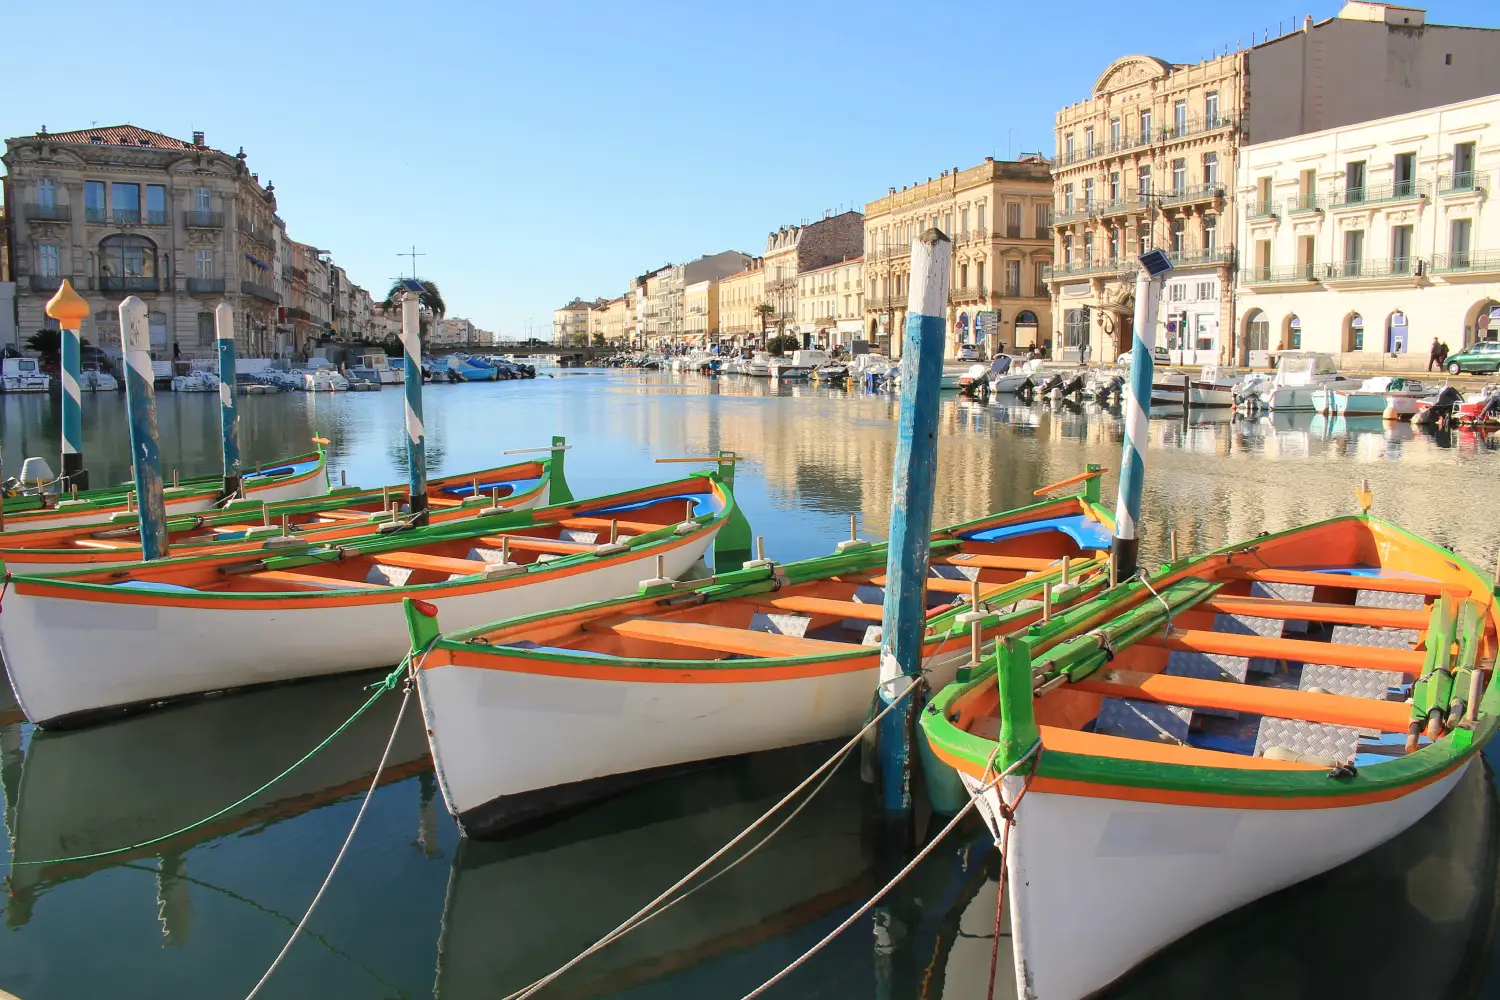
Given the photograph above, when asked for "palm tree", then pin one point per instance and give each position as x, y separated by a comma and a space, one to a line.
430, 298
764, 311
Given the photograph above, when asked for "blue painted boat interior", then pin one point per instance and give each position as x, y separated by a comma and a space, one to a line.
1086, 532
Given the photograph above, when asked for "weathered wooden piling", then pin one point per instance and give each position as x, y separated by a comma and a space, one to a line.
229, 415
1154, 264
69, 309
913, 484
416, 437
140, 399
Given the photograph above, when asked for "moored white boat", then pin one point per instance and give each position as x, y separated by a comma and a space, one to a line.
1299, 375
1018, 378
532, 715
1371, 398
197, 380
1164, 755
23, 375
759, 365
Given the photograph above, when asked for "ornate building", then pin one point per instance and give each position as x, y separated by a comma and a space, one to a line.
121, 210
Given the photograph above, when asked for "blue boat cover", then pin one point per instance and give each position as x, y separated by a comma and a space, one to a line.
1085, 531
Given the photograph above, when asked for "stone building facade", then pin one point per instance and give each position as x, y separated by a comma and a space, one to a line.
740, 295
570, 324
122, 210
831, 304
792, 250
998, 216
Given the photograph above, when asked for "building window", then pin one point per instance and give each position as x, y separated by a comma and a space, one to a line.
1208, 291
1210, 232
1354, 181
1354, 251
48, 261
1294, 333
156, 204
963, 220
1088, 141
1146, 126
1144, 239
1115, 142
1114, 244
963, 276
127, 257
1463, 165
1211, 109
1401, 249
206, 329
93, 201
1068, 148
1179, 175
1179, 119
1459, 233
1013, 220
125, 203
980, 210
1211, 170
1088, 249
1356, 333
1176, 292
1179, 235
1067, 248
203, 263
1039, 278
46, 193
1012, 277
1143, 179
1088, 194
1075, 327
1257, 331
1043, 220
1406, 175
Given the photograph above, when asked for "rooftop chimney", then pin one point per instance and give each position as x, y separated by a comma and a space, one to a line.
989, 159
1307, 23
197, 138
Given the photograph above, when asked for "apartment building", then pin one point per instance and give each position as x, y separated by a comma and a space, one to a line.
121, 210
831, 304
792, 250
1369, 240
740, 296
999, 215
700, 307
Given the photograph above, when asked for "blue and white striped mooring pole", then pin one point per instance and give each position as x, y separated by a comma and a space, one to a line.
913, 483
229, 414
140, 399
69, 309
1127, 545
416, 438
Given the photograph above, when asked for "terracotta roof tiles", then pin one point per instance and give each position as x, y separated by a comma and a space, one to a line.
117, 135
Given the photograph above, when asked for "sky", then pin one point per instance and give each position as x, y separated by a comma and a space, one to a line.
538, 151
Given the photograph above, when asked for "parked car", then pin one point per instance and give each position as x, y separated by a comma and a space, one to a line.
1481, 357
1159, 356
969, 352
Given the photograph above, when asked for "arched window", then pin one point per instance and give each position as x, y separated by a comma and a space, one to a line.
127, 263
1075, 328
1354, 336
1398, 335
1257, 331
1294, 332
1026, 318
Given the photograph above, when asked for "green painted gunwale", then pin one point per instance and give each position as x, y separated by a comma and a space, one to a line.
759, 580
368, 545
1428, 762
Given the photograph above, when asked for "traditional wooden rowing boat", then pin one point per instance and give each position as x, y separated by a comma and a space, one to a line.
1256, 716
535, 714
296, 478
247, 525
84, 643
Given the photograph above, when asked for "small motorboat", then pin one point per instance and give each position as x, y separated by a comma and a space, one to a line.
1019, 377
1299, 374
759, 365
295, 478
94, 380
1371, 398
1215, 386
375, 366
469, 369
196, 380
975, 381
833, 372
766, 657
1480, 409
1252, 718
23, 375
256, 618
1440, 410
786, 370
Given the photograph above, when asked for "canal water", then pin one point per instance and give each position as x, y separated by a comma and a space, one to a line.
416, 912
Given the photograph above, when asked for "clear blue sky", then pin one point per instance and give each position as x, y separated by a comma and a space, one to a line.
543, 150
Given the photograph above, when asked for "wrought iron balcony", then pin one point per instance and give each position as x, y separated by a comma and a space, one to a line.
155, 217
125, 216
1085, 268
1376, 194
1463, 182
1292, 274
1305, 203
108, 283
966, 293
48, 213
1192, 193
1119, 206
98, 215
203, 220
45, 282
1197, 258
1360, 270
205, 286
260, 291
1077, 212
1262, 210
1471, 262
1011, 291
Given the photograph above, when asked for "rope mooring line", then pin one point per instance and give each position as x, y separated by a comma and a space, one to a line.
381, 687
344, 848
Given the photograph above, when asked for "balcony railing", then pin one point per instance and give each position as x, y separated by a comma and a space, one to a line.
1119, 206
98, 215
966, 293
880, 303
1262, 210
205, 286
1375, 194
1486, 261
1357, 270
125, 217
1291, 274
48, 213
259, 291
1128, 141
1013, 232
1463, 182
1195, 257
131, 284
1192, 193
1083, 268
155, 217
203, 220
1078, 211
46, 282
1012, 291
1304, 203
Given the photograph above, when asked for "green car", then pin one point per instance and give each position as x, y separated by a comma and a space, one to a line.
1481, 357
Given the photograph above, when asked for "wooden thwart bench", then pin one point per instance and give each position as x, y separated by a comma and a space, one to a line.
718, 638
1309, 611
1299, 650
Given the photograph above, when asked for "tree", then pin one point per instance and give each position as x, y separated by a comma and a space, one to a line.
780, 345
47, 343
764, 311
430, 299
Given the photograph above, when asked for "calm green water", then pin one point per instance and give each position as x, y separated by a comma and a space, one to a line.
415, 912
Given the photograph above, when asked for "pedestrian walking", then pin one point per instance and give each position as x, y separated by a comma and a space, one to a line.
1442, 354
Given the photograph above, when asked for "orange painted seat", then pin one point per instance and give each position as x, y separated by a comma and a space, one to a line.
1301, 650
310, 582
1309, 611
1385, 584
980, 561
603, 523
719, 638
437, 564
1124, 748
529, 543
820, 606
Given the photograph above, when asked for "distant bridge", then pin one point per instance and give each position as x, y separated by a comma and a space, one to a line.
566, 353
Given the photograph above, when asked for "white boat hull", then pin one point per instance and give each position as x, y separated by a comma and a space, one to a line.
1009, 383
1359, 404
1098, 885
1399, 406
507, 743
122, 654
